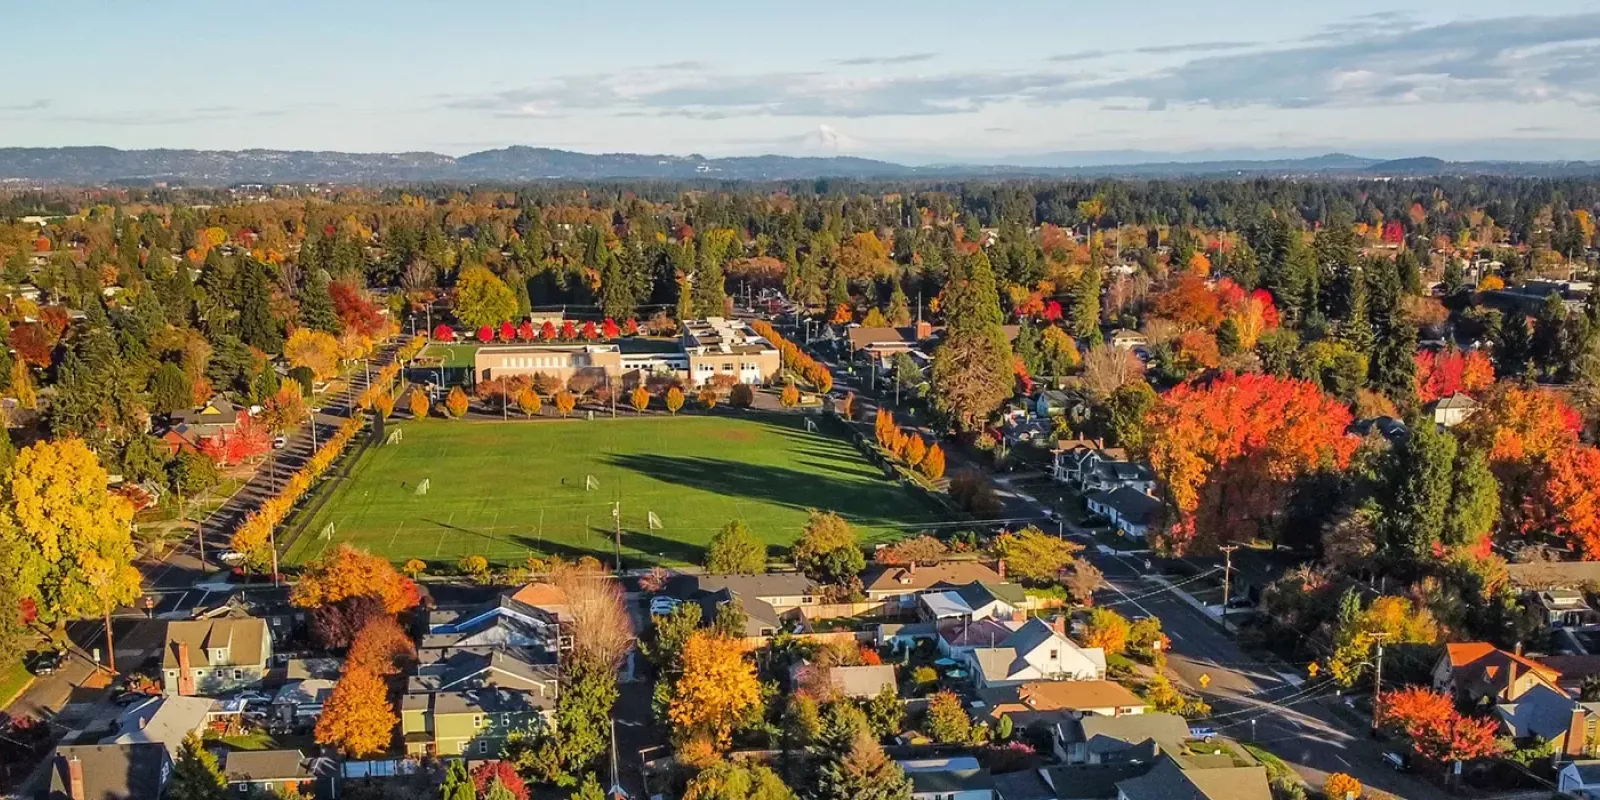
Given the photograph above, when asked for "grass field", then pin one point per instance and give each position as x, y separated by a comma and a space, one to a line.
503, 490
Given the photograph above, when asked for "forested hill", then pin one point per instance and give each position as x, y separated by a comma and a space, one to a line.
105, 165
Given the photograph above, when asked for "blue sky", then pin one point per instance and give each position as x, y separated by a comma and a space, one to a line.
927, 80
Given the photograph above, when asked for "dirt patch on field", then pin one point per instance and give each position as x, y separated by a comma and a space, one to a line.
736, 436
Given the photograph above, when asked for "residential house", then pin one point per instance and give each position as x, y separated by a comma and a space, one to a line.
1052, 403
858, 682
1479, 673
974, 601
901, 585
1554, 716
215, 656
1035, 651
1067, 783
162, 720
1580, 779
504, 621
109, 772
1135, 738
772, 602
262, 771
1089, 467
216, 417
1124, 339
465, 701
1170, 780
1053, 702
1453, 410
180, 439
1130, 511
1573, 669
1020, 430
1391, 429
1565, 608
1539, 575
956, 778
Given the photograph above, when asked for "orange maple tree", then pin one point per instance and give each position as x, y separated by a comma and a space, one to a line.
381, 646
1189, 303
1228, 452
1518, 425
1444, 374
1566, 499
358, 718
346, 572
1437, 731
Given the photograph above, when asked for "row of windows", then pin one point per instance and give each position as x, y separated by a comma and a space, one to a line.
541, 361
727, 366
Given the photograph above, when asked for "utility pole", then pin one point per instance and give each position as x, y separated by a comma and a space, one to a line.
616, 518
111, 651
1227, 583
1377, 681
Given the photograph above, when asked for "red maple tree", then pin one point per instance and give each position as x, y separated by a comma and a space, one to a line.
1444, 374
1566, 499
589, 331
355, 311
1189, 303
547, 331
33, 343
444, 333
631, 327
486, 333
247, 440
508, 332
526, 331
568, 330
609, 329
1437, 731
1229, 451
486, 773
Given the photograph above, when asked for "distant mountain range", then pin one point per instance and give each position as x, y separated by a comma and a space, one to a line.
106, 165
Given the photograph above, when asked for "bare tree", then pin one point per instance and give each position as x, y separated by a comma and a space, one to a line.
602, 631
1082, 581
1107, 368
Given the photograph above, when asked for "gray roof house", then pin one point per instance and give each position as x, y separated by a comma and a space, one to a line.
956, 778
1168, 780
1033, 652
860, 682
109, 772
1119, 740
266, 770
162, 720
215, 656
1131, 511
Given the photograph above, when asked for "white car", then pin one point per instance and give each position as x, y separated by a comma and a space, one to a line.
251, 696
662, 606
231, 557
278, 442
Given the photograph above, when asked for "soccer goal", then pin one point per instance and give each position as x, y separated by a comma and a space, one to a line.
422, 488
653, 520
590, 483
394, 438
327, 531
811, 426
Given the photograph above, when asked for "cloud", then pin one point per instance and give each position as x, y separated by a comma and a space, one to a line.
32, 105
1517, 59
1195, 47
1081, 55
868, 61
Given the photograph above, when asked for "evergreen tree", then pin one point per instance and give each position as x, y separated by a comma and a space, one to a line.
256, 326
838, 290
457, 783
1515, 348
1474, 499
616, 293
1420, 497
1030, 348
177, 296
1546, 347
862, 773
710, 295
1228, 337
1083, 319
899, 307
195, 774
972, 369
1244, 267
316, 305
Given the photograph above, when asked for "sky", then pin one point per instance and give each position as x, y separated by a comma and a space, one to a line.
1009, 81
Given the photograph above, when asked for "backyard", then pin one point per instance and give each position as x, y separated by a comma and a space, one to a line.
505, 490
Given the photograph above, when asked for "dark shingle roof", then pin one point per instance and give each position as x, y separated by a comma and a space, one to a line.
244, 766
111, 771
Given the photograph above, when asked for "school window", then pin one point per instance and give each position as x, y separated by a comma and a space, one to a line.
238, 674
483, 746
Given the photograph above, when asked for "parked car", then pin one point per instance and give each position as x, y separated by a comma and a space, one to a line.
661, 606
1202, 733
231, 557
46, 662
252, 696
1241, 602
1399, 762
279, 442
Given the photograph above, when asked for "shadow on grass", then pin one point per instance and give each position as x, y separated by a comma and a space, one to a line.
865, 503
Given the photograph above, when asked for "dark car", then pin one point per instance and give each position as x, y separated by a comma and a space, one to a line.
46, 662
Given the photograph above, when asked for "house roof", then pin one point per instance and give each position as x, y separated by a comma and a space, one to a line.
1130, 504
1548, 574
862, 337
217, 411
1492, 660
1588, 771
246, 640
1542, 711
944, 605
950, 574
1112, 734
1455, 401
111, 771
950, 781
245, 766
978, 633
1028, 785
862, 681
1063, 696
162, 720
768, 586
310, 691
543, 596
1098, 780
1168, 781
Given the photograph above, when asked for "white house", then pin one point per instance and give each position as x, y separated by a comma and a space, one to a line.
1035, 652
1090, 467
975, 601
1453, 410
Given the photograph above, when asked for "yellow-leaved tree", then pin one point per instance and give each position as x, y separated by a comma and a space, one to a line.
315, 350
358, 718
76, 535
717, 687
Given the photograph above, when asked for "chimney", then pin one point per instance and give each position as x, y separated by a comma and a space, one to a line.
1000, 567
75, 786
1058, 623
1517, 648
1511, 680
924, 330
185, 674
1577, 734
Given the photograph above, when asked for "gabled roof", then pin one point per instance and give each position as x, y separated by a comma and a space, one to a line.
1542, 711
1115, 734
766, 587
1130, 504
1455, 401
950, 574
1075, 695
245, 638
1588, 771
111, 771
862, 681
543, 596
977, 595
162, 720
1492, 660
245, 766
1168, 781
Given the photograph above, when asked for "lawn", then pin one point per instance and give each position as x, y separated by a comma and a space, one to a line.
504, 490
13, 679
455, 355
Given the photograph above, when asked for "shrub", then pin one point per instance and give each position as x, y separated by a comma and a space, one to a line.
742, 396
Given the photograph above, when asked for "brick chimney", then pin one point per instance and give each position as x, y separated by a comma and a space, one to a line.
1511, 680
75, 786
1000, 567
924, 330
1577, 733
185, 675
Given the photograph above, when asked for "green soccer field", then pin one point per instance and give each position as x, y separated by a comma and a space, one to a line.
504, 490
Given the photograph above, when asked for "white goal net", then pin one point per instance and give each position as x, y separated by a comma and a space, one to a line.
655, 521
590, 483
422, 488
